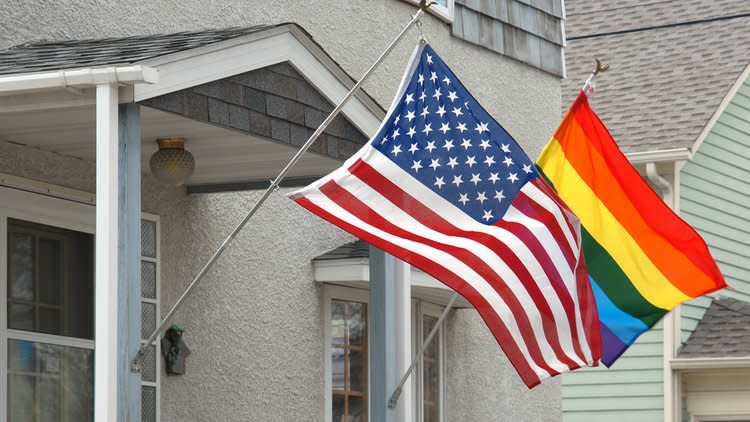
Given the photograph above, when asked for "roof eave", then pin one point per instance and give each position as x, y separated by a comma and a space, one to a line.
657, 156
683, 364
22, 83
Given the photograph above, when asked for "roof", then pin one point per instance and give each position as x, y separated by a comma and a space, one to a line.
356, 249
672, 63
724, 331
46, 56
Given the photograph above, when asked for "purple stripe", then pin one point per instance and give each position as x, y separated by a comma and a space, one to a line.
612, 346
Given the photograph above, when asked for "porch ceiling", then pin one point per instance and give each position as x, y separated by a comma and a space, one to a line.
221, 155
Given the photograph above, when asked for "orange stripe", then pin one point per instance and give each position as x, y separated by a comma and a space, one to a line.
661, 218
590, 165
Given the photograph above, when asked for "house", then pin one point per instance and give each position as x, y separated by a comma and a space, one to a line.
96, 249
677, 100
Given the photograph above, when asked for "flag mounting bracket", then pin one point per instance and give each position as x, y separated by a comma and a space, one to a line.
590, 85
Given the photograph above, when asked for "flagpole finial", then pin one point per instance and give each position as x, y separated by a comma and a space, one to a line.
424, 4
600, 67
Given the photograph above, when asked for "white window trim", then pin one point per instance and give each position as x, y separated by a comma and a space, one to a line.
422, 308
445, 13
52, 205
330, 293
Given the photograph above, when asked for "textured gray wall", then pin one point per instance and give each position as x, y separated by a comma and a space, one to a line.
254, 324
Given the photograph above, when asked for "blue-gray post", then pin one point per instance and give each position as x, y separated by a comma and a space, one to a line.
383, 345
129, 262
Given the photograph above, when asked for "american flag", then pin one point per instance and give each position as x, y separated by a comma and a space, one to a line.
445, 188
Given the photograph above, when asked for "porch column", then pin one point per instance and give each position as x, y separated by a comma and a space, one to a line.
117, 333
390, 335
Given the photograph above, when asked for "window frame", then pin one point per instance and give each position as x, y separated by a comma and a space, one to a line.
156, 384
445, 13
420, 310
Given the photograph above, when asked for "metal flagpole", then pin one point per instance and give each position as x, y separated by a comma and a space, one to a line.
138, 360
393, 400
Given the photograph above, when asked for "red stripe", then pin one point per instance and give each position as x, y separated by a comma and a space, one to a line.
360, 210
537, 212
540, 253
552, 194
429, 218
659, 217
496, 325
589, 313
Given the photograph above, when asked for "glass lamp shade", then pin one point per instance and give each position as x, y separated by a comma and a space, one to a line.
172, 164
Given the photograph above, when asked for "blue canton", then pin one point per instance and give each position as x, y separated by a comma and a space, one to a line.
440, 135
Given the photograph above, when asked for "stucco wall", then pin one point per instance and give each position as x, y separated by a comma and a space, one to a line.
254, 324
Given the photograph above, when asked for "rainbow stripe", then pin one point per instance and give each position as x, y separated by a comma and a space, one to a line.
643, 259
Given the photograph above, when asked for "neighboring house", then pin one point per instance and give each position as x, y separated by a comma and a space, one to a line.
281, 328
677, 100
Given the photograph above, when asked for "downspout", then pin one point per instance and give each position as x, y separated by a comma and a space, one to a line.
671, 320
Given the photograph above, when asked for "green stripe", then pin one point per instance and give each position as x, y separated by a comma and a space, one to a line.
612, 280
615, 284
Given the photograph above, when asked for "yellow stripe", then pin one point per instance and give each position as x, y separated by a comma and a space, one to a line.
607, 230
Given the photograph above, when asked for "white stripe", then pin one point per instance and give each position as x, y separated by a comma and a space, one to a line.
445, 259
542, 199
391, 212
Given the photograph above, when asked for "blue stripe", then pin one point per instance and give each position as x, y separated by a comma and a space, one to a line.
626, 327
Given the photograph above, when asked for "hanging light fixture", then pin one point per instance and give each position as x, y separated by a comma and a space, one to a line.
172, 164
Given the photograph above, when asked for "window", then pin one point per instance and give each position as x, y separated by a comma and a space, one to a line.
49, 296
442, 9
47, 303
347, 361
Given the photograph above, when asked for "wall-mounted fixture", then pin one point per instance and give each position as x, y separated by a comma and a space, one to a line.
172, 164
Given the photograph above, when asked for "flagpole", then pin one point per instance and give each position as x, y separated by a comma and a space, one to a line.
590, 84
138, 360
393, 400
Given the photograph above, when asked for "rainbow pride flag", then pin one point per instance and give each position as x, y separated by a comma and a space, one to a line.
643, 259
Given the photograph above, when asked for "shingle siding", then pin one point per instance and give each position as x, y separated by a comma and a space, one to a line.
530, 31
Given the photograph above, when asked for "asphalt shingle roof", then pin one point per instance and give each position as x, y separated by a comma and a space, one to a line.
356, 249
46, 56
668, 76
724, 331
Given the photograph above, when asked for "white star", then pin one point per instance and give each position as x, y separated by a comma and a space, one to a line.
396, 150
435, 163
384, 140
448, 144
487, 215
409, 98
499, 195
462, 127
416, 166
485, 144
433, 76
422, 96
398, 119
430, 146
505, 148
470, 161
411, 132
453, 162
475, 179
437, 94
395, 134
527, 168
413, 148
445, 127
427, 129
481, 128
409, 115
513, 177
457, 111
463, 198
441, 111
457, 180
494, 177
447, 80
425, 111
466, 143
439, 182
421, 79
508, 161
481, 197
452, 96
429, 59
489, 160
